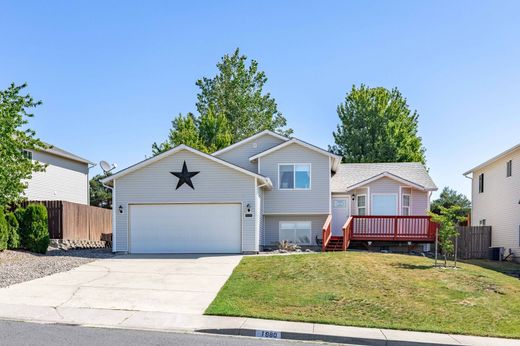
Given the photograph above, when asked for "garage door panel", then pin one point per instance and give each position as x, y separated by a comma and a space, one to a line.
185, 228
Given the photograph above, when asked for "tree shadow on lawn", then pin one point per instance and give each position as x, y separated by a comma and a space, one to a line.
504, 267
412, 266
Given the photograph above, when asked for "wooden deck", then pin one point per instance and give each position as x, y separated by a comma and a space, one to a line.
380, 228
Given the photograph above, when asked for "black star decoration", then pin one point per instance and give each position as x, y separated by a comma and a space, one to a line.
184, 176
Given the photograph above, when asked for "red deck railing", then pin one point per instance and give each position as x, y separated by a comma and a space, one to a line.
389, 228
326, 233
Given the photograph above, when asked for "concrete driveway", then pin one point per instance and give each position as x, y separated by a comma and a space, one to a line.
174, 284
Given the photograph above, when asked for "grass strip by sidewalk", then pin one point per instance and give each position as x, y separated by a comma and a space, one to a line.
373, 290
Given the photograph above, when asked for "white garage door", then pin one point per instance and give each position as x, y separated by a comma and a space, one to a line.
185, 228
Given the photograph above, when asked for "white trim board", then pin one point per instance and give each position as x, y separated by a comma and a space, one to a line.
493, 159
146, 162
248, 139
390, 176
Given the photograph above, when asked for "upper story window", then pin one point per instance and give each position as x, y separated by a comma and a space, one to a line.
294, 176
27, 154
405, 205
361, 204
481, 183
509, 168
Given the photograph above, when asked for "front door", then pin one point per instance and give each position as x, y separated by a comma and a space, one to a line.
340, 213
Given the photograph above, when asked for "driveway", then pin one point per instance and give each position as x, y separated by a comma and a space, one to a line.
173, 284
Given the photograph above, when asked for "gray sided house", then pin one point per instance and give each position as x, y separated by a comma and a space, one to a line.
65, 178
254, 193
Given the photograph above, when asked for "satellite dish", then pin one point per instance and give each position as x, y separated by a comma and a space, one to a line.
107, 167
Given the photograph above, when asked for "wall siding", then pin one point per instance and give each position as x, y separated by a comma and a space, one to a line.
215, 183
314, 201
419, 199
271, 236
499, 203
240, 155
63, 180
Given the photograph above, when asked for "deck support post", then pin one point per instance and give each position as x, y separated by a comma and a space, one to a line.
436, 244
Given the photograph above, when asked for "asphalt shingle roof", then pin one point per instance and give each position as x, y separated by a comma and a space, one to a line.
349, 174
54, 150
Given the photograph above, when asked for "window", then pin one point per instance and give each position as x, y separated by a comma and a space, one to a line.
384, 204
362, 204
340, 203
481, 183
509, 168
296, 232
405, 205
27, 154
294, 176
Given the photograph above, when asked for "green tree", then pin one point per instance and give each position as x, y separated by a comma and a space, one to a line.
15, 138
376, 125
35, 229
184, 130
448, 219
13, 240
4, 231
100, 196
449, 198
232, 106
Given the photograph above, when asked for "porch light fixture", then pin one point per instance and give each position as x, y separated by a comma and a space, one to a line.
248, 206
369, 243
120, 209
353, 196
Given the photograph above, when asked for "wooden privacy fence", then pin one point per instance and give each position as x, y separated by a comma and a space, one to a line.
473, 242
73, 221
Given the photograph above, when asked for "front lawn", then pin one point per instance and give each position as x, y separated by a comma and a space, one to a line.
373, 290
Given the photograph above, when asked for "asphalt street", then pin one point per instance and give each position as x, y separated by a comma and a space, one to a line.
14, 333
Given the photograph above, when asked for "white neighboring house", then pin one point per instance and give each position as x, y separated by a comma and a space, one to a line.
495, 198
65, 178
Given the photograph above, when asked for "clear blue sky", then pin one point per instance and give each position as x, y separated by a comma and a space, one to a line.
112, 74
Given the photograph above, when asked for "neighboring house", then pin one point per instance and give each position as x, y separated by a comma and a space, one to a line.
495, 198
261, 190
64, 179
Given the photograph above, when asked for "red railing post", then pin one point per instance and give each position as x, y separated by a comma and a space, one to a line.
326, 233
395, 228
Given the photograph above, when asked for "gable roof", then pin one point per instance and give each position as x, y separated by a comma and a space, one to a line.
149, 161
336, 159
493, 159
248, 139
54, 150
352, 175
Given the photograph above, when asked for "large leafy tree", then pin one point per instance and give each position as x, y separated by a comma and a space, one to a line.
376, 125
16, 139
100, 196
449, 198
232, 106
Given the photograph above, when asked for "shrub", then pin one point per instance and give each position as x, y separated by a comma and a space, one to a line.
3, 231
13, 239
35, 232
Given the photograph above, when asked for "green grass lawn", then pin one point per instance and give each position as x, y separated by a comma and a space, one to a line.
374, 290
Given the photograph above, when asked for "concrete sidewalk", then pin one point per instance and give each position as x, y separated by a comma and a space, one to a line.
163, 321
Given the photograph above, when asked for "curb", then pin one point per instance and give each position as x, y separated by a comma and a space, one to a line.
323, 338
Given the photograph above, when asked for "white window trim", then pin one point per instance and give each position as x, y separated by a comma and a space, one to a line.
396, 195
366, 204
294, 221
294, 177
409, 203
